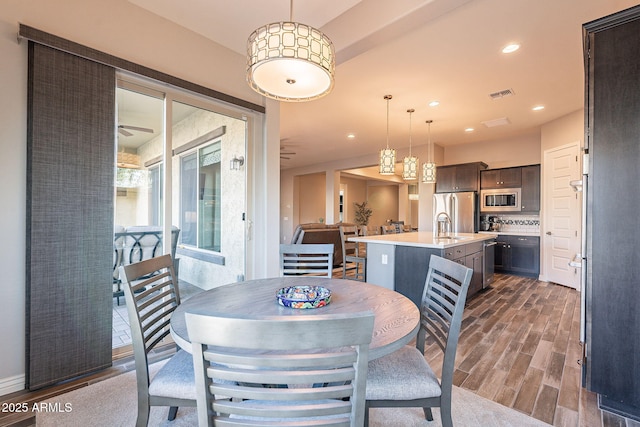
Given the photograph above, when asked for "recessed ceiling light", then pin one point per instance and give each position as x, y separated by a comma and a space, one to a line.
510, 48
538, 108
351, 135
434, 103
469, 129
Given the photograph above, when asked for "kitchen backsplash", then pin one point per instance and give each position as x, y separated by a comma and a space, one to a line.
514, 223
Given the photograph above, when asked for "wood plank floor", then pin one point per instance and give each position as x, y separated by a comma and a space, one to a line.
518, 347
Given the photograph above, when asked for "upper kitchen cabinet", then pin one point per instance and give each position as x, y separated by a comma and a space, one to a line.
501, 178
611, 323
456, 178
530, 193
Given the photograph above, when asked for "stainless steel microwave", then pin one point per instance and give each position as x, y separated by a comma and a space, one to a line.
500, 200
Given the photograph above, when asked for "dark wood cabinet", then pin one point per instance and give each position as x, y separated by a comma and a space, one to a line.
530, 192
471, 256
457, 178
611, 320
474, 261
411, 265
527, 178
518, 255
501, 178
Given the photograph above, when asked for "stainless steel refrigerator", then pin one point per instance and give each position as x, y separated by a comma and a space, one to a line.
461, 208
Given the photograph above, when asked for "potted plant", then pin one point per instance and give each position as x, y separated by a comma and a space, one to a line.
363, 213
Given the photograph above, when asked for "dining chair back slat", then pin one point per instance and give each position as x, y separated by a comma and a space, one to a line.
306, 259
404, 378
352, 261
152, 295
303, 370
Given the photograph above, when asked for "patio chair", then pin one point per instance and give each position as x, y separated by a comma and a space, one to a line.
151, 292
328, 351
404, 377
137, 243
306, 259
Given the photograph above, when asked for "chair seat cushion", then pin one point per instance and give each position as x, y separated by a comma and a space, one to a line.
176, 378
402, 375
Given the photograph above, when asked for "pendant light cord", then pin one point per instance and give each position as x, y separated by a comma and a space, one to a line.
387, 97
429, 146
291, 11
410, 111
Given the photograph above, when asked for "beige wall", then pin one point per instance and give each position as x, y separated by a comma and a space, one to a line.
502, 153
565, 130
311, 198
383, 201
355, 191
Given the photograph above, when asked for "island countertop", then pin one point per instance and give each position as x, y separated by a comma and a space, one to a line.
424, 239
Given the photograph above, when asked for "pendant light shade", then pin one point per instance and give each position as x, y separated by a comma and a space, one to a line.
429, 168
410, 163
429, 173
387, 155
289, 61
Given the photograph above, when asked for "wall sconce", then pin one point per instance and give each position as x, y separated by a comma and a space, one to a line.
236, 162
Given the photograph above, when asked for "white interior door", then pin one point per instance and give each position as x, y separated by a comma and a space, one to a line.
561, 231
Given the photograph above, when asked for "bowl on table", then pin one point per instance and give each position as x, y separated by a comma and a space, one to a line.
303, 296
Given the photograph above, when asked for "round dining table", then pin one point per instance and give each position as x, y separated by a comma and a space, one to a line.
396, 317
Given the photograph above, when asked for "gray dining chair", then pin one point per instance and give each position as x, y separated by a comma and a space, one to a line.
404, 377
306, 259
388, 229
290, 370
351, 258
152, 294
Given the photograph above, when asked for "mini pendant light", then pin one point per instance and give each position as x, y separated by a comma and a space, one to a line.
410, 164
289, 61
387, 155
429, 168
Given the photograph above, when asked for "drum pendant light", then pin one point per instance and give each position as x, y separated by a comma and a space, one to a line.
429, 168
410, 164
387, 155
289, 61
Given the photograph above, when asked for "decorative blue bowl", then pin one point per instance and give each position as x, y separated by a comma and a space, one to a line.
304, 296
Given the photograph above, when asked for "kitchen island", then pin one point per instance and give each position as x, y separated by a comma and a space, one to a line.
401, 261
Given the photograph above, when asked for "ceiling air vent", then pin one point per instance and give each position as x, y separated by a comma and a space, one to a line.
501, 94
496, 122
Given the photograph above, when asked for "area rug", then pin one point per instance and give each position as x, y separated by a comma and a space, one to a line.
113, 402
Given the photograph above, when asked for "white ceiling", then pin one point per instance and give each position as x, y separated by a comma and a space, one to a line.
417, 51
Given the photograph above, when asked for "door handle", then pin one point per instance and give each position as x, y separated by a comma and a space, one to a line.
548, 233
576, 261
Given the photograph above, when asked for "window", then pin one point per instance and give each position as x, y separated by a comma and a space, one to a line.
200, 191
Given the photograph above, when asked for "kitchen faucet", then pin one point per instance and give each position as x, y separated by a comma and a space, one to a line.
443, 225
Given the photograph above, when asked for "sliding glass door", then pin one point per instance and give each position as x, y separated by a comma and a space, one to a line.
180, 169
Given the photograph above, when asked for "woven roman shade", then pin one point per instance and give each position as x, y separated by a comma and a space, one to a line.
70, 175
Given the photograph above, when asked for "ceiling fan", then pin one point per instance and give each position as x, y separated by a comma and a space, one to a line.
124, 130
284, 155
285, 152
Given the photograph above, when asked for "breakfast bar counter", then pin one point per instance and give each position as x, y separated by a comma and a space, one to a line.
424, 239
401, 261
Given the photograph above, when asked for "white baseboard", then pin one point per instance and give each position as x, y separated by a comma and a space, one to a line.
11, 384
